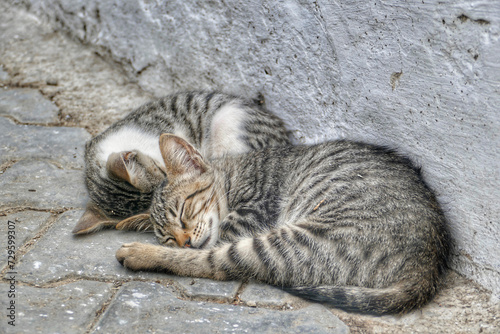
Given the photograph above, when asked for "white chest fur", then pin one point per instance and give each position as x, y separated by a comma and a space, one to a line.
128, 139
226, 128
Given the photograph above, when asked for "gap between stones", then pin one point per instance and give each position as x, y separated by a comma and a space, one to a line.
33, 85
237, 298
7, 165
39, 87
100, 312
57, 164
57, 211
178, 290
26, 247
18, 122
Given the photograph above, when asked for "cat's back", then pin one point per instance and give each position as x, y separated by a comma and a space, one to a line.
183, 114
355, 163
342, 181
216, 123
339, 161
356, 179
366, 204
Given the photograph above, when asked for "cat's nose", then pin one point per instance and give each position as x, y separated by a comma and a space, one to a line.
183, 238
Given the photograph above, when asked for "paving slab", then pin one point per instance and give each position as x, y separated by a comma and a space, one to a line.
60, 254
61, 144
258, 294
39, 184
209, 289
154, 308
23, 226
4, 76
69, 308
27, 105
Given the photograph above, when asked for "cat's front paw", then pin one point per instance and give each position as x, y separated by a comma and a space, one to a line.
137, 256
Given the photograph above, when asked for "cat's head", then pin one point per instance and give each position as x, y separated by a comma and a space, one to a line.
124, 190
185, 210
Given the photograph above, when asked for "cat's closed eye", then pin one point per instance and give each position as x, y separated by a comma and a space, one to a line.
165, 238
170, 242
183, 217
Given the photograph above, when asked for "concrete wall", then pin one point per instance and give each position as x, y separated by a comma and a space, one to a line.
421, 76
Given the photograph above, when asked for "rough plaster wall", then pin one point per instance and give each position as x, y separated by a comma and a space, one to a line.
415, 75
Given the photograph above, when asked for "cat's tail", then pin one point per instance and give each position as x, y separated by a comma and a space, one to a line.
396, 299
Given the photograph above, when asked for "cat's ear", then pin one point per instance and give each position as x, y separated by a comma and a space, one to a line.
140, 222
93, 220
180, 157
117, 167
136, 168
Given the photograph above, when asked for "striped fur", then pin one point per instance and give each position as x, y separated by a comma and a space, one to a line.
124, 164
341, 222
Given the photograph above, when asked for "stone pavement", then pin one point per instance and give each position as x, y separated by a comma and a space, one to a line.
69, 284
74, 284
51, 99
59, 283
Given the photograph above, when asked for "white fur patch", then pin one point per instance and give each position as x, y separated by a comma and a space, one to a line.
247, 252
226, 129
127, 139
181, 132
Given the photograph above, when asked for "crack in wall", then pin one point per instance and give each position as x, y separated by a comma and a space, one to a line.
464, 18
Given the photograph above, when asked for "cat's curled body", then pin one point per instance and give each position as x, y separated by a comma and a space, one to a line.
124, 163
340, 222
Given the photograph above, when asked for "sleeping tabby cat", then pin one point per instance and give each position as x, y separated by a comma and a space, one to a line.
124, 163
340, 222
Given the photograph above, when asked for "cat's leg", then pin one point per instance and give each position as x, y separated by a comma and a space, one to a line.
280, 257
301, 260
179, 261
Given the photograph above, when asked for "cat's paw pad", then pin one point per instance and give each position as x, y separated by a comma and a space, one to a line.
137, 256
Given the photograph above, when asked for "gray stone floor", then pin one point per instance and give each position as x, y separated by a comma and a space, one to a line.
55, 93
74, 284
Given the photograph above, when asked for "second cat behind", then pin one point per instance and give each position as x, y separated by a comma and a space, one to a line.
124, 163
